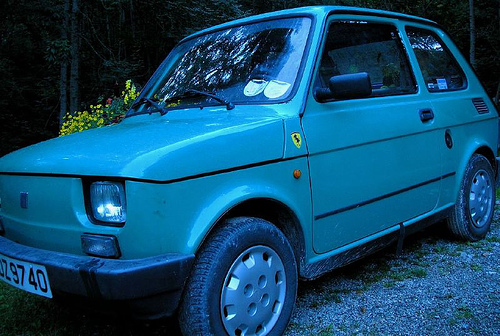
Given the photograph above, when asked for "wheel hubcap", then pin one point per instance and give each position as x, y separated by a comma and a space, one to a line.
480, 198
253, 292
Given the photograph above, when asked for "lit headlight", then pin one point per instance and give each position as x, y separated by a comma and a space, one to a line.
107, 200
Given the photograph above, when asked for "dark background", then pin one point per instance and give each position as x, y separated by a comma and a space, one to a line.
58, 56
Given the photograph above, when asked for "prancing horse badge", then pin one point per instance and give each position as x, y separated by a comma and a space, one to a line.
296, 139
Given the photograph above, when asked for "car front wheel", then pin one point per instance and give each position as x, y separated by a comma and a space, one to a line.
244, 282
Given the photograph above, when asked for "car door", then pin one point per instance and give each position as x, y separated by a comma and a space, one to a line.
373, 161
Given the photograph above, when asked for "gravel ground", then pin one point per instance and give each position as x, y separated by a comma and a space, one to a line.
438, 286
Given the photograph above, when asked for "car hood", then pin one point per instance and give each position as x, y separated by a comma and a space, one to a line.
159, 148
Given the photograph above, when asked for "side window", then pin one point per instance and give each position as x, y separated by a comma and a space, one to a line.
358, 46
440, 69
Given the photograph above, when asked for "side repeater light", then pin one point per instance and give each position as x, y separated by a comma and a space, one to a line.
297, 174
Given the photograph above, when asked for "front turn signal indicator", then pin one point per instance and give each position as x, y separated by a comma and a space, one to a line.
297, 174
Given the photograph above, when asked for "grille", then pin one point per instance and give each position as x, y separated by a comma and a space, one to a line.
480, 105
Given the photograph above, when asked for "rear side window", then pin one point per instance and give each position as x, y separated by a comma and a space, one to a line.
440, 69
358, 46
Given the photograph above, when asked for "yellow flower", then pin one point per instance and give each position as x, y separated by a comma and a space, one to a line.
99, 115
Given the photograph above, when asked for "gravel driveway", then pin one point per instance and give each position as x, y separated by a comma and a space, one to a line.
438, 286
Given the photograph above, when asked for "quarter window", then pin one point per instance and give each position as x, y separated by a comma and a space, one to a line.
358, 46
440, 69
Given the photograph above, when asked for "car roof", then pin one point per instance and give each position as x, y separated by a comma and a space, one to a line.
318, 12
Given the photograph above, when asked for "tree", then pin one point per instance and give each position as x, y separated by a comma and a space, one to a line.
74, 94
63, 59
497, 95
472, 28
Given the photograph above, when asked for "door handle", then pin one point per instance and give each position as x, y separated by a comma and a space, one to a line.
426, 115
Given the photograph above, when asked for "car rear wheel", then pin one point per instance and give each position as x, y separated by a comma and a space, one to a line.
473, 212
244, 282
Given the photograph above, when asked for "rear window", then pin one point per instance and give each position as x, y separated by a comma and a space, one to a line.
440, 69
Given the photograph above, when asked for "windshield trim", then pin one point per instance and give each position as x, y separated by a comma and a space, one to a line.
249, 22
300, 72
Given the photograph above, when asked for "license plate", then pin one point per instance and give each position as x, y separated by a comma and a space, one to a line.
26, 276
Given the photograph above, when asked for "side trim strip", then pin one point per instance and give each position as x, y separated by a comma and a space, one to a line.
373, 200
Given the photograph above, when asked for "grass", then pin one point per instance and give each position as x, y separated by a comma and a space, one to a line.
441, 249
18, 310
26, 314
464, 312
493, 239
328, 330
411, 273
476, 267
328, 295
478, 244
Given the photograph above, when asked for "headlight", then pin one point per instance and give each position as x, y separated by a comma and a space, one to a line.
107, 201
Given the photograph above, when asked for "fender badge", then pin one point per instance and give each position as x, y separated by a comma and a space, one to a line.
297, 141
24, 200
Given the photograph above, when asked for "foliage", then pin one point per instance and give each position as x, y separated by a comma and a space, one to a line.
101, 115
122, 39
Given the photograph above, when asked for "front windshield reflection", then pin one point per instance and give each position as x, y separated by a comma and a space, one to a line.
252, 63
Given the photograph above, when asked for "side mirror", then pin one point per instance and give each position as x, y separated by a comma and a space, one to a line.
357, 85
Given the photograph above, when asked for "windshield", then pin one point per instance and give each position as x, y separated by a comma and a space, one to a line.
252, 63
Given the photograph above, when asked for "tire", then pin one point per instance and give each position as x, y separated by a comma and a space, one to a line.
244, 282
472, 215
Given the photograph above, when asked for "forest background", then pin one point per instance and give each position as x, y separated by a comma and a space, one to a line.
59, 56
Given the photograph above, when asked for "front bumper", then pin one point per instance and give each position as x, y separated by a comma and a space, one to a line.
108, 279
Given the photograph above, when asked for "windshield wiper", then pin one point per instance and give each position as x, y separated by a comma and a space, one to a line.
196, 93
150, 102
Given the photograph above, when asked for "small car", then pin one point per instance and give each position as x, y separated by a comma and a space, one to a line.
262, 151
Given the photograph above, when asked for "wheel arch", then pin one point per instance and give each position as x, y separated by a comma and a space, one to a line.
488, 153
273, 211
481, 148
